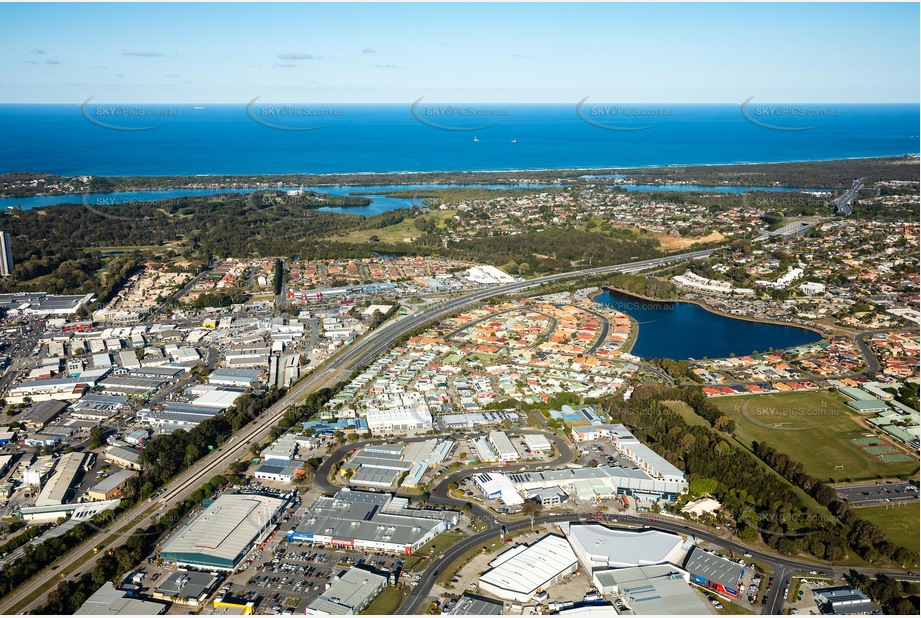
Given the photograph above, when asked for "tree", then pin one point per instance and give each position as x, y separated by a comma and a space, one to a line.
97, 436
702, 486
532, 508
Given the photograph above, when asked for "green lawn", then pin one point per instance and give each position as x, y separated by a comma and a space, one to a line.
396, 233
686, 413
814, 428
420, 558
900, 523
387, 602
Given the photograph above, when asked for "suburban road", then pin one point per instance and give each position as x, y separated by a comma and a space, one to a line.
33, 594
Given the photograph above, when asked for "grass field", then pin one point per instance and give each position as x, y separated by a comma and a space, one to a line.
816, 429
900, 523
685, 412
406, 229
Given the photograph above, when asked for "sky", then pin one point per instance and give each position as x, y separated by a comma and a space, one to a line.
460, 53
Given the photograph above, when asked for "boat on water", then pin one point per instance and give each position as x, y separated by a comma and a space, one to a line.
475, 138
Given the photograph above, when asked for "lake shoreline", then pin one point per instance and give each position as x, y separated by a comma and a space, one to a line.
703, 305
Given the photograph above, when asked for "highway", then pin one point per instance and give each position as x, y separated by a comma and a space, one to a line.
843, 205
33, 593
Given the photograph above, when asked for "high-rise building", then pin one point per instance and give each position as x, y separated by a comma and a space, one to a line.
6, 255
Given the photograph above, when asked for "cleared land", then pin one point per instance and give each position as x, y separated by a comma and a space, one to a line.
899, 522
816, 429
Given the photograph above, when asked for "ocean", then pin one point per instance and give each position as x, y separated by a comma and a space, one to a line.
101, 139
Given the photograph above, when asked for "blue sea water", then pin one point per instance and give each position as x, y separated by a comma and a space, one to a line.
683, 331
225, 139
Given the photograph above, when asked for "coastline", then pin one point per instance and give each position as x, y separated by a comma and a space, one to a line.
253, 180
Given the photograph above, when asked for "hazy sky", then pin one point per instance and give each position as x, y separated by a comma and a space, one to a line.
516, 53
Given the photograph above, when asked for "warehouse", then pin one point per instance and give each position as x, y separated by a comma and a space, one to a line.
372, 520
43, 413
219, 537
374, 477
503, 447
219, 399
844, 600
520, 572
186, 587
53, 388
661, 590
110, 601
537, 443
348, 594
60, 485
97, 407
399, 420
243, 378
714, 572
473, 605
598, 546
131, 387
497, 486
279, 470
600, 483
124, 457
169, 420
111, 486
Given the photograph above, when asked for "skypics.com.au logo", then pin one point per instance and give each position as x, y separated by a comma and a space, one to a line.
449, 117
129, 118
292, 117
621, 117
785, 117
120, 208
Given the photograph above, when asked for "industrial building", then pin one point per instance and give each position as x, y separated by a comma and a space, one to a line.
551, 496
598, 546
284, 370
370, 520
124, 457
714, 572
186, 587
42, 414
243, 378
111, 486
660, 590
600, 483
844, 600
519, 573
348, 594
219, 537
473, 605
497, 486
502, 446
110, 601
40, 303
59, 486
279, 470
537, 443
94, 407
399, 420
382, 465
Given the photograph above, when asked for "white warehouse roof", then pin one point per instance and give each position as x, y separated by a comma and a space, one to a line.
519, 577
600, 546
